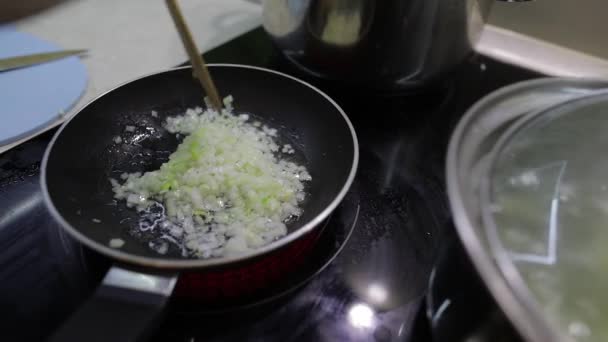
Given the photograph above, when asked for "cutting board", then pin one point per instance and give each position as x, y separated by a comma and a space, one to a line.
32, 98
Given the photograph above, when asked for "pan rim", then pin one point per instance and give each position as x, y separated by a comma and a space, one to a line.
119, 255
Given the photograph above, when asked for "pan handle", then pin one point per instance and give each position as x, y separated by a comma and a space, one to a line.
123, 308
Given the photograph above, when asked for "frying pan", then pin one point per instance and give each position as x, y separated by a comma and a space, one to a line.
85, 153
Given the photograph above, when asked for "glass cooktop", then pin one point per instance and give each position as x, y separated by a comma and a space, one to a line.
366, 280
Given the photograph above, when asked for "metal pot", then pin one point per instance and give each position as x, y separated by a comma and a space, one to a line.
471, 154
385, 45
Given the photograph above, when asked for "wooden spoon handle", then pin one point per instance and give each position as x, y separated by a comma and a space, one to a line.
196, 59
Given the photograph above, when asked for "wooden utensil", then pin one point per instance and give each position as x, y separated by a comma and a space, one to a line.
196, 59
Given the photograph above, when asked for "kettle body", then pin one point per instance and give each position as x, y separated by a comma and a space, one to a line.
379, 44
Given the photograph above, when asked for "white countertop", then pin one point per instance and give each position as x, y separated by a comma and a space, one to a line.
553, 37
131, 38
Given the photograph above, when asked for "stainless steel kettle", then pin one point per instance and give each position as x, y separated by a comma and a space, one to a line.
381, 44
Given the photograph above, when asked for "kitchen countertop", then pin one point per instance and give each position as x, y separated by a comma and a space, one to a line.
131, 38
127, 39
553, 37
578, 25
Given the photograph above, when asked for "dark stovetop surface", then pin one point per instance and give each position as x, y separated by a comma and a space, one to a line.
372, 291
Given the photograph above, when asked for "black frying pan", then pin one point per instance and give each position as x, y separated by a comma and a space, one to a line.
83, 155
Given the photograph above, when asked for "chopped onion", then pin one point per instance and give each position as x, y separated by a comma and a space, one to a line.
116, 243
225, 190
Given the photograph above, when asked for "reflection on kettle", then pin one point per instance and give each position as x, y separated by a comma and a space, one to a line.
340, 23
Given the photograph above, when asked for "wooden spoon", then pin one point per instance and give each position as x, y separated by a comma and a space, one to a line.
196, 59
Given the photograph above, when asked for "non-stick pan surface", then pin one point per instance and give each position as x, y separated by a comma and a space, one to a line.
85, 153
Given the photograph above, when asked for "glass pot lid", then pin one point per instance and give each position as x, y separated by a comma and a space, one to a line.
544, 206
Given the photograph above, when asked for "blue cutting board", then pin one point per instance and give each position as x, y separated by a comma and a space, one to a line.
34, 97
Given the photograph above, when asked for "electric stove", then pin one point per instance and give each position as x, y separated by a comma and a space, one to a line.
365, 281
